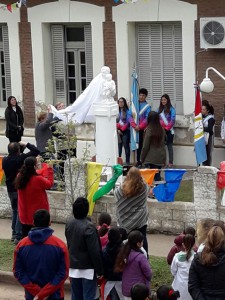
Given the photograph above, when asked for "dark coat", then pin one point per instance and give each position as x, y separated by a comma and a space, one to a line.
84, 245
109, 258
207, 282
11, 165
152, 154
14, 121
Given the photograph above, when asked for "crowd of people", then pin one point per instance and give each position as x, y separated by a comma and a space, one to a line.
108, 262
155, 129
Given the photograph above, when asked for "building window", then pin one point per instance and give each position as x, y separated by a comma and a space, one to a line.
5, 78
160, 64
72, 60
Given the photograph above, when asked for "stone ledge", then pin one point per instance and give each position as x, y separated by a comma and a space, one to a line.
8, 277
207, 170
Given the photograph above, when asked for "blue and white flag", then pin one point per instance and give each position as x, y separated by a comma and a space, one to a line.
200, 145
134, 135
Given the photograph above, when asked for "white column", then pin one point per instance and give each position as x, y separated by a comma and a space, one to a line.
106, 133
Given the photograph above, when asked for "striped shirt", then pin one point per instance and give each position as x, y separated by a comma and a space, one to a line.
132, 213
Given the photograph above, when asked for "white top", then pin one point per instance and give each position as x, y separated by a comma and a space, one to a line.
222, 133
180, 270
78, 273
113, 284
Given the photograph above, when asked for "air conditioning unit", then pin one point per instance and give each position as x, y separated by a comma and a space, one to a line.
212, 32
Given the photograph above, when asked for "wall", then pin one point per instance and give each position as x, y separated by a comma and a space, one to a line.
62, 11
12, 21
211, 58
168, 217
154, 11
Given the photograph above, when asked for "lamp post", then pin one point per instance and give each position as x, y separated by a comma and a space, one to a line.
207, 85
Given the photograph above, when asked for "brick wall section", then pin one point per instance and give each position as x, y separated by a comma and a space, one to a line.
212, 58
109, 35
27, 69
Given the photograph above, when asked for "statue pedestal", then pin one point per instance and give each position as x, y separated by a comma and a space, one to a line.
106, 133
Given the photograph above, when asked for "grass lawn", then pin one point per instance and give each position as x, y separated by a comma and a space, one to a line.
185, 191
6, 255
161, 271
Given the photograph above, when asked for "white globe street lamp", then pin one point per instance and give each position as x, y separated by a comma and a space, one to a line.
207, 85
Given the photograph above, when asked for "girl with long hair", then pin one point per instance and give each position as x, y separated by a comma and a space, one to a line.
153, 153
14, 120
167, 114
32, 194
123, 128
208, 127
207, 272
133, 263
131, 203
180, 267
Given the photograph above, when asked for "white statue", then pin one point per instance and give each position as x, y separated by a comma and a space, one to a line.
109, 88
101, 89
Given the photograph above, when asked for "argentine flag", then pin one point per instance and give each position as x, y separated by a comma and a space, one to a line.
200, 148
134, 135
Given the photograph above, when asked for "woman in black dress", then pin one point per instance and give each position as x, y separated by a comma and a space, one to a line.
14, 120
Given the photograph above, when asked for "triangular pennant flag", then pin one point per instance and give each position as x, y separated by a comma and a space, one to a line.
14, 6
9, 7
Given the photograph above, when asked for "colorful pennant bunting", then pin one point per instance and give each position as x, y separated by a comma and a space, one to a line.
11, 7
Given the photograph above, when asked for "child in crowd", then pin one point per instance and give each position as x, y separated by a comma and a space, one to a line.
133, 263
104, 222
181, 265
203, 228
178, 241
165, 293
113, 286
140, 292
124, 237
123, 234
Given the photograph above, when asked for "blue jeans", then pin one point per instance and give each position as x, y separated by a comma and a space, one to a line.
16, 225
83, 289
169, 143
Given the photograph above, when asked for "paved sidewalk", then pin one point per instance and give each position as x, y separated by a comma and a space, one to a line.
159, 244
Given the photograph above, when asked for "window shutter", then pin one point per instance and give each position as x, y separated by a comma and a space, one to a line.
88, 53
5, 36
178, 73
144, 78
160, 61
58, 48
156, 58
168, 61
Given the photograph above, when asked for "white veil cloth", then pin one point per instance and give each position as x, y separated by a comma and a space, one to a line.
101, 89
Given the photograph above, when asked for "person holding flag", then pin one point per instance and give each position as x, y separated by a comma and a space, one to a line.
138, 121
199, 140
